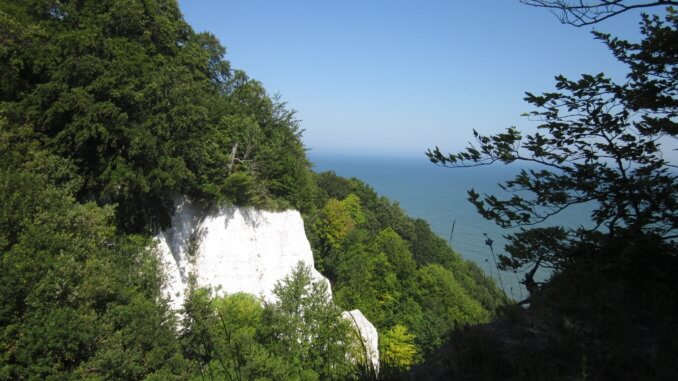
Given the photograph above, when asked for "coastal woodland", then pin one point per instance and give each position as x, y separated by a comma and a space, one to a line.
111, 109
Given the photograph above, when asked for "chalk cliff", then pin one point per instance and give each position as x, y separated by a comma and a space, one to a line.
237, 249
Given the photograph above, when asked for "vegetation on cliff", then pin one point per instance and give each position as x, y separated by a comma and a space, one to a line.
111, 109
139, 108
406, 280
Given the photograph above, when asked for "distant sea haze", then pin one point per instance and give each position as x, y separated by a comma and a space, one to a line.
439, 196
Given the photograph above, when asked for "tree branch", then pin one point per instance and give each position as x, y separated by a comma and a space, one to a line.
582, 13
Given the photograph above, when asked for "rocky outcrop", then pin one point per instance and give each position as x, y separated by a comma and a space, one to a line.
369, 335
238, 249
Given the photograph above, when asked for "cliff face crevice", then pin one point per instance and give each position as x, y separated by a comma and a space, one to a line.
235, 249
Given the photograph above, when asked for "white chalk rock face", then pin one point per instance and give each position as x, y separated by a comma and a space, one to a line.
368, 333
241, 250
234, 250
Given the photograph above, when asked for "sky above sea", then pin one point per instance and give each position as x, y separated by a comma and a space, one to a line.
395, 77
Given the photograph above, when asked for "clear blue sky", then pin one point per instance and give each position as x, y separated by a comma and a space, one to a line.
393, 77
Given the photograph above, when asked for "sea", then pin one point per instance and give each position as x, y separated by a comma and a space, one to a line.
439, 196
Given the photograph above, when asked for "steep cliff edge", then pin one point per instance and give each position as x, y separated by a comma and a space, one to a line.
236, 249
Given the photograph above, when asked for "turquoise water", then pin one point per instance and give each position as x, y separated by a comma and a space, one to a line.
439, 196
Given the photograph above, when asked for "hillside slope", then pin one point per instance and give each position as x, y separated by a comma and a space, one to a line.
109, 110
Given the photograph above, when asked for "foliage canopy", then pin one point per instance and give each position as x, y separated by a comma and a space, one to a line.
144, 109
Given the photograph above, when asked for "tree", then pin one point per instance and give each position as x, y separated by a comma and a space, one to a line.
307, 329
358, 273
599, 143
653, 78
398, 254
144, 109
338, 219
221, 336
397, 350
239, 321
446, 306
581, 13
77, 300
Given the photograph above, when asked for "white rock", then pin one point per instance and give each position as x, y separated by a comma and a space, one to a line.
369, 336
241, 250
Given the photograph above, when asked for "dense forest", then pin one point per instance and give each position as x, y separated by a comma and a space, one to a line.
109, 110
402, 276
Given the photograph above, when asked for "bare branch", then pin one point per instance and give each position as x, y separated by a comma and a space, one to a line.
581, 13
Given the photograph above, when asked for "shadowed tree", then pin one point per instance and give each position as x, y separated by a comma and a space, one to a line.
599, 143
607, 311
